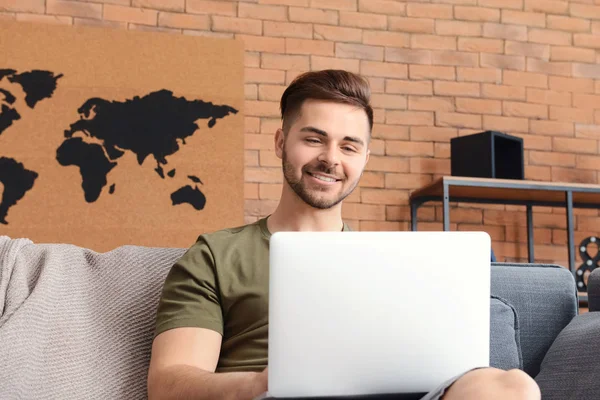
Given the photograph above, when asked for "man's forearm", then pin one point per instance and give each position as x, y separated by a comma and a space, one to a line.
183, 382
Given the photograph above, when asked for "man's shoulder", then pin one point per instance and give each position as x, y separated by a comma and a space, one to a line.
244, 232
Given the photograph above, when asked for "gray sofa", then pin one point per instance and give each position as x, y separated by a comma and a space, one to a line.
545, 300
78, 324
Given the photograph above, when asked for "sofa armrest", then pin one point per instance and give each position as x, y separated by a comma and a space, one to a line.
545, 298
594, 290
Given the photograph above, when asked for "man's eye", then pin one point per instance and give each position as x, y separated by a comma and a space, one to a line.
347, 148
309, 140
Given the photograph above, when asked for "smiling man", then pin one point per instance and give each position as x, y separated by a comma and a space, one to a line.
325, 176
212, 323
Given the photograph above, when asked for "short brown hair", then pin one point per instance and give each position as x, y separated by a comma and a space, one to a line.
331, 85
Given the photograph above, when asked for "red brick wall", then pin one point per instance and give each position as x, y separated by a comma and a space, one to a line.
438, 69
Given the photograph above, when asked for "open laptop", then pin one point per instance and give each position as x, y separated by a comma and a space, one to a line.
372, 313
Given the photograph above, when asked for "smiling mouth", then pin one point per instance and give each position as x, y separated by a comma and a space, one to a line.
324, 178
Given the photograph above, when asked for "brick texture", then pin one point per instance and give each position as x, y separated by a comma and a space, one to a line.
130, 14
438, 69
211, 7
24, 6
169, 5
74, 9
184, 21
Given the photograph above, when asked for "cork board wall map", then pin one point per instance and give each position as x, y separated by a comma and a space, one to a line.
111, 137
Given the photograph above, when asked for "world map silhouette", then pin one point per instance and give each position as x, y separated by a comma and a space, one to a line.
152, 125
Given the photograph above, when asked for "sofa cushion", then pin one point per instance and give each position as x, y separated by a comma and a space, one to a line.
571, 368
545, 298
505, 347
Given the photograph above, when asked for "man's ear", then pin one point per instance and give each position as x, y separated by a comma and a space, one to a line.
367, 158
279, 142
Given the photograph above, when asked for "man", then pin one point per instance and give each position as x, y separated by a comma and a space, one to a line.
211, 330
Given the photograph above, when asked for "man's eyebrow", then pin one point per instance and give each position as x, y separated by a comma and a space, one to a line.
354, 140
321, 132
314, 130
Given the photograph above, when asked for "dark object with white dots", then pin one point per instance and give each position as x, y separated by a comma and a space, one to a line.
594, 290
589, 263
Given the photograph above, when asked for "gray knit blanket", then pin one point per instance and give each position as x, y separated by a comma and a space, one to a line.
77, 324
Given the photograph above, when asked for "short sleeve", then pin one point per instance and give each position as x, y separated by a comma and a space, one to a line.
190, 296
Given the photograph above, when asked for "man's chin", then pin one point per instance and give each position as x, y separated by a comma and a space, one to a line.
322, 206
323, 202
321, 197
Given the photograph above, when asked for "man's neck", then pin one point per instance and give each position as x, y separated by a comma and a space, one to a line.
293, 214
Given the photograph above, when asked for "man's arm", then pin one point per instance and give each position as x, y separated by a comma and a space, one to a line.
182, 367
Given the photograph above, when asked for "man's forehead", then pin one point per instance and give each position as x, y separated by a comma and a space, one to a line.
331, 117
311, 105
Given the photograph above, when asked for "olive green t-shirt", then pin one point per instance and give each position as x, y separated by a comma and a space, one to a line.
222, 283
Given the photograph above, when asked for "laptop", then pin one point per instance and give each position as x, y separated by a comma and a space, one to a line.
354, 314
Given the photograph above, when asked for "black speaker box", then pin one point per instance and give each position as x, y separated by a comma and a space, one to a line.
488, 154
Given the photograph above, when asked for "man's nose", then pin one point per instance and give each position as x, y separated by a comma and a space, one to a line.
329, 156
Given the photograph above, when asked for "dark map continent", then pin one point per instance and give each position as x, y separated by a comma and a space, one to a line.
37, 85
194, 178
8, 115
189, 195
8, 96
146, 126
17, 181
6, 72
93, 165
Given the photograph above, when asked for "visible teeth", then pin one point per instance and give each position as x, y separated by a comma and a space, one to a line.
324, 178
